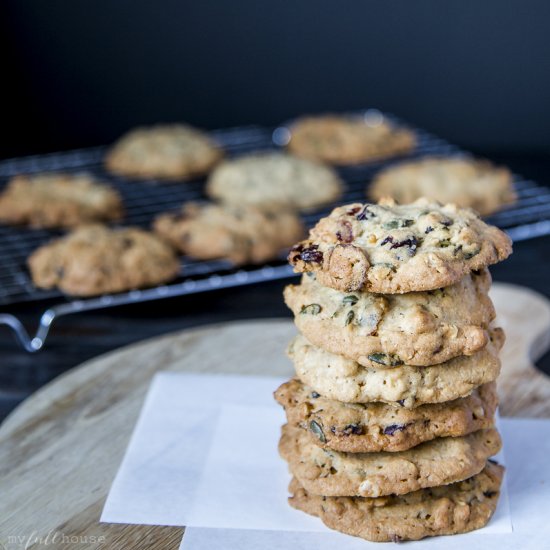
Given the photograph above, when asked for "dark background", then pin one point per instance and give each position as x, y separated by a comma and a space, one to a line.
80, 73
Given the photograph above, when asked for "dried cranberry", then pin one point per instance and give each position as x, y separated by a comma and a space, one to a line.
393, 428
355, 429
345, 233
353, 211
311, 254
365, 214
411, 243
307, 254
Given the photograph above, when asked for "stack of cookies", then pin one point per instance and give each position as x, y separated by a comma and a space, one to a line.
391, 416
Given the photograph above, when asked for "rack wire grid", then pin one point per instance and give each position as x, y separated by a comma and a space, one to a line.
529, 217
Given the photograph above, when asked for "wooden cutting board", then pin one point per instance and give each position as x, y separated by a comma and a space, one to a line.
61, 448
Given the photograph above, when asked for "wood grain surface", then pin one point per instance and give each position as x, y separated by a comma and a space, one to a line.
60, 450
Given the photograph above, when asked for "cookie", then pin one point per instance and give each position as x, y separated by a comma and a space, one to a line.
449, 510
417, 328
96, 260
461, 181
337, 139
274, 180
241, 234
374, 427
166, 151
58, 200
336, 377
438, 462
395, 249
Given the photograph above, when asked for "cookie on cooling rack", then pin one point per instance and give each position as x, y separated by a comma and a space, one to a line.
274, 180
461, 181
242, 234
58, 200
338, 139
95, 260
167, 151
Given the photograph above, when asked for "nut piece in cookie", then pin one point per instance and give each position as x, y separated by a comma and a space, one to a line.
374, 427
449, 510
241, 234
274, 180
58, 200
438, 462
389, 248
416, 328
337, 139
337, 377
96, 260
458, 180
168, 151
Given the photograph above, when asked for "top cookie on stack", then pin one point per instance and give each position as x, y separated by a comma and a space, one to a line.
390, 248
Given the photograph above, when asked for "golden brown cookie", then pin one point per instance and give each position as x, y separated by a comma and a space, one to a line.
58, 200
274, 180
165, 151
448, 510
241, 234
374, 427
337, 377
393, 248
461, 181
417, 328
96, 260
337, 139
438, 462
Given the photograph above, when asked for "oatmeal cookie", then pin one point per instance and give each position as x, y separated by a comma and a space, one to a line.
337, 139
96, 260
448, 510
461, 181
336, 377
334, 474
374, 427
58, 200
167, 151
395, 249
241, 234
417, 328
274, 180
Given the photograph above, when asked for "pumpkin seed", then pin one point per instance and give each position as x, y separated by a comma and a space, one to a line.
318, 431
396, 224
312, 309
385, 359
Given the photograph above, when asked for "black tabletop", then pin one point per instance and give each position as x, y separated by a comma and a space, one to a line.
79, 337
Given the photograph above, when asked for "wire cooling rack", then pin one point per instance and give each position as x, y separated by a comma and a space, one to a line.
144, 199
